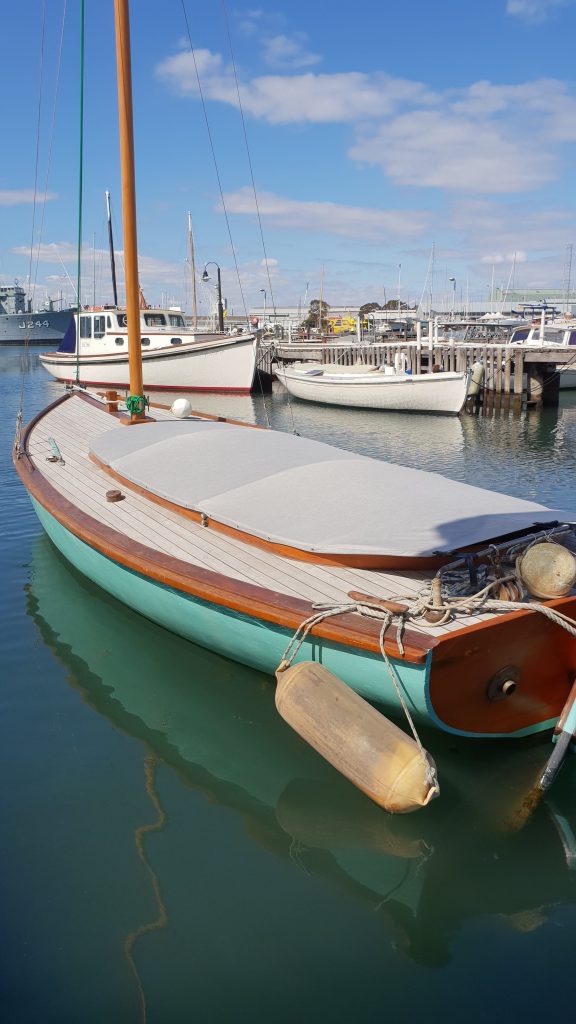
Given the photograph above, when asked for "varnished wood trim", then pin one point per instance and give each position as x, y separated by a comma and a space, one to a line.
541, 655
245, 598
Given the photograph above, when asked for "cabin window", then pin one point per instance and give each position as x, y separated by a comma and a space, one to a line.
520, 335
108, 322
175, 341
119, 341
85, 326
122, 320
154, 319
99, 326
176, 320
145, 341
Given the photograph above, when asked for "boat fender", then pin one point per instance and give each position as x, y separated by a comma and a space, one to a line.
475, 379
369, 750
400, 362
547, 570
181, 408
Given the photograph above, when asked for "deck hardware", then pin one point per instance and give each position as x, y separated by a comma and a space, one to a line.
504, 683
115, 495
203, 519
56, 453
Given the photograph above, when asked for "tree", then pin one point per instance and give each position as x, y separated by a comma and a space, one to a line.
316, 318
369, 307
393, 304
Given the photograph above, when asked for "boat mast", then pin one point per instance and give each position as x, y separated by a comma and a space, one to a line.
135, 401
192, 271
111, 248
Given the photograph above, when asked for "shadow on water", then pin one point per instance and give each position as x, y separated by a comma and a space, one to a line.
214, 724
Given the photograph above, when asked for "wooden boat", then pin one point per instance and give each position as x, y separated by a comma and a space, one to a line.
233, 536
217, 555
368, 387
94, 352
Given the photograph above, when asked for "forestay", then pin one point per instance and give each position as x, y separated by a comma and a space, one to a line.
309, 495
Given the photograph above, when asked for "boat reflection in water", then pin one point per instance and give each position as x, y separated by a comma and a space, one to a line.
214, 723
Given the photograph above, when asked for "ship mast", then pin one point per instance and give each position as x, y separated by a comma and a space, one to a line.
111, 247
135, 401
192, 271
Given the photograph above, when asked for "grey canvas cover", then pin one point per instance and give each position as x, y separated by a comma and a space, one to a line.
309, 495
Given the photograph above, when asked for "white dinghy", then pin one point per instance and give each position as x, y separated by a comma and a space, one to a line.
372, 388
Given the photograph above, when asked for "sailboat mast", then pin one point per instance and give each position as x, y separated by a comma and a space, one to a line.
125, 120
192, 271
111, 248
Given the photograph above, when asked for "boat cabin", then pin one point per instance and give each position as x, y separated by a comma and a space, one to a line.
106, 330
556, 335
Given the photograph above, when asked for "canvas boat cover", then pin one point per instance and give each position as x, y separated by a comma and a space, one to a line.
309, 495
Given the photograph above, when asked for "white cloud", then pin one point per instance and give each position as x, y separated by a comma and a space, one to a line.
330, 218
20, 196
440, 149
486, 138
284, 99
289, 51
152, 270
504, 257
535, 11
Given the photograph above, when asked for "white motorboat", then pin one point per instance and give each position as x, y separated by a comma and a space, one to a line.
174, 358
368, 387
557, 333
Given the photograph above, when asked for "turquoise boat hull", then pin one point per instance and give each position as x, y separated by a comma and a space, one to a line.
240, 637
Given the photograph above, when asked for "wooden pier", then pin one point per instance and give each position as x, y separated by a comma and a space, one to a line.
527, 373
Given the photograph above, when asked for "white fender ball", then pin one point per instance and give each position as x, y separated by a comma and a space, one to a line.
181, 408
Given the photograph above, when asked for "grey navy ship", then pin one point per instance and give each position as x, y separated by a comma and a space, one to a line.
19, 325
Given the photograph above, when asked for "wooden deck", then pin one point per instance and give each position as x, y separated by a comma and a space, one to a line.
73, 424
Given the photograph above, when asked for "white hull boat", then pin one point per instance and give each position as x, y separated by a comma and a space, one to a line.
173, 357
369, 388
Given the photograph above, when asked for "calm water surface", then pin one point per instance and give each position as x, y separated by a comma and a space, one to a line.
172, 852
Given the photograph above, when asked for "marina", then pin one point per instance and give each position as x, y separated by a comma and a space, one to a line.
289, 592
115, 755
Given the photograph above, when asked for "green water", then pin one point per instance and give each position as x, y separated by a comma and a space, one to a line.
172, 852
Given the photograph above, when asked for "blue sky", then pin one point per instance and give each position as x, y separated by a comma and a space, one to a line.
375, 131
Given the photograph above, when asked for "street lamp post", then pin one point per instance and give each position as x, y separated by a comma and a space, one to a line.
263, 290
206, 277
453, 279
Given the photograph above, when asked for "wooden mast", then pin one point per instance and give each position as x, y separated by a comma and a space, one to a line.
124, 76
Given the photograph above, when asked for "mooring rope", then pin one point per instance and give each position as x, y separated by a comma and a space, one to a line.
444, 606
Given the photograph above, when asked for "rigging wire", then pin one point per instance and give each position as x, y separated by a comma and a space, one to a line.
214, 160
256, 204
36, 162
80, 183
222, 200
243, 121
51, 139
